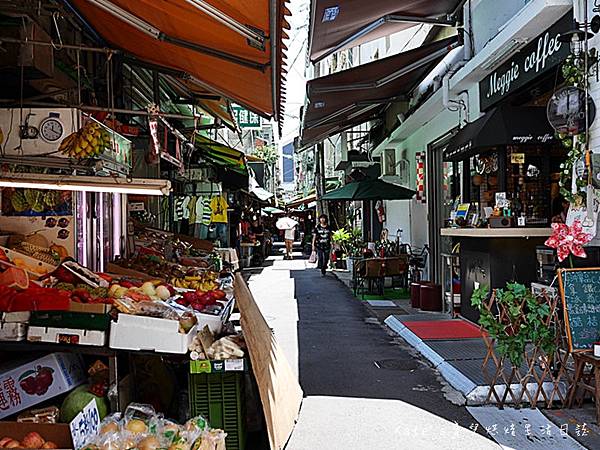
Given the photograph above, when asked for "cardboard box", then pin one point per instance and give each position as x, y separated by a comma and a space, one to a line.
58, 433
13, 331
90, 308
115, 269
26, 383
72, 336
131, 332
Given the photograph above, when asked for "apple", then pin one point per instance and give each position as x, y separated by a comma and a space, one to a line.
33, 440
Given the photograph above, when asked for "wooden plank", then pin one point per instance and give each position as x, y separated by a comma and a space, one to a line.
280, 392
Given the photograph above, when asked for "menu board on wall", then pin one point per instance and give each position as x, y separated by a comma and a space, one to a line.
580, 290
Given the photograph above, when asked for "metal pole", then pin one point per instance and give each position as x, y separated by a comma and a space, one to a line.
67, 46
130, 112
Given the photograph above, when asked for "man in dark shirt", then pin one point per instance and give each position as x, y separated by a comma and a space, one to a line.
322, 243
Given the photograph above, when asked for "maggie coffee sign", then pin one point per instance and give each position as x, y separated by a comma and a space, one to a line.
542, 54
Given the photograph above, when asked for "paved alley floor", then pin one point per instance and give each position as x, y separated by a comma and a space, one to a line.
363, 388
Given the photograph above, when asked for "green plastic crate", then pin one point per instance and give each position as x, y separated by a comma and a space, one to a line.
219, 397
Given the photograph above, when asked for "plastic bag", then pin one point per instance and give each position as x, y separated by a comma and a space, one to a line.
313, 258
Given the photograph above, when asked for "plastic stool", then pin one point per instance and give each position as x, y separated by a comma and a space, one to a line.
431, 297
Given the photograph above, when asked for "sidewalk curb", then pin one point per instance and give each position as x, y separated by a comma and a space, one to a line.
474, 394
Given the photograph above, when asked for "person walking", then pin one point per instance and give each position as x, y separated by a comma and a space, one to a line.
322, 243
288, 225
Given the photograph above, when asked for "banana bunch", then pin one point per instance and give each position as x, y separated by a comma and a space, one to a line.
197, 283
90, 141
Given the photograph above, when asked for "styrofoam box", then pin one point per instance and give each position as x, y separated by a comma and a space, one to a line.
73, 336
17, 316
131, 332
13, 331
215, 323
53, 374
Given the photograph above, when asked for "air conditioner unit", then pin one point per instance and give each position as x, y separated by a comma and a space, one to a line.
389, 162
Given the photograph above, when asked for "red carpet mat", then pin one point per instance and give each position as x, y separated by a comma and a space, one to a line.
443, 329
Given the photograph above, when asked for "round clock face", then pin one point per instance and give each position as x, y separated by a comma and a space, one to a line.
51, 129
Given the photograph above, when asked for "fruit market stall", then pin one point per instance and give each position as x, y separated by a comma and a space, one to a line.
72, 335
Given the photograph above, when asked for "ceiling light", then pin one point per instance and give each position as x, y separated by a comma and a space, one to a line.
139, 186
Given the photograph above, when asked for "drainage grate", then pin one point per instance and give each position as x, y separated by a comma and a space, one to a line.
396, 364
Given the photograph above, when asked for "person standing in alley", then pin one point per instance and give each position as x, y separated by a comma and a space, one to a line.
322, 243
288, 226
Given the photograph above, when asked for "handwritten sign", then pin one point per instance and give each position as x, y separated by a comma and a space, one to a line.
85, 425
580, 291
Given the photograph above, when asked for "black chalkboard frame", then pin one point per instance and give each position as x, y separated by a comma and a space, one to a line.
564, 303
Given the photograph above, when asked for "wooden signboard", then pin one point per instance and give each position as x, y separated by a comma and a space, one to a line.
280, 392
580, 293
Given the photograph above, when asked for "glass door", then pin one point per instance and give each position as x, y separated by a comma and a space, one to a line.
442, 188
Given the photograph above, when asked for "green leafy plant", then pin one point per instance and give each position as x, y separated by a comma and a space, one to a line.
520, 319
356, 245
341, 237
574, 73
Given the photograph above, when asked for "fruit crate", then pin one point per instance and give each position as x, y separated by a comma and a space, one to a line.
219, 397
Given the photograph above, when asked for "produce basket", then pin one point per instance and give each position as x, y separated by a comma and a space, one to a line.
220, 398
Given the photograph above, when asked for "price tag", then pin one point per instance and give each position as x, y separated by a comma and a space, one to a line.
85, 425
234, 365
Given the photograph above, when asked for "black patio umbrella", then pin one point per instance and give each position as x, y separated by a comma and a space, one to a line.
370, 190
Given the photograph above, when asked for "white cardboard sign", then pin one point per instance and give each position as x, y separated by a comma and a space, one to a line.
85, 425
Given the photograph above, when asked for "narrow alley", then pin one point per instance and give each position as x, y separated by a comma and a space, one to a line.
336, 348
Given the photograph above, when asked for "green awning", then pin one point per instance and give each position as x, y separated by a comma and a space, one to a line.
221, 154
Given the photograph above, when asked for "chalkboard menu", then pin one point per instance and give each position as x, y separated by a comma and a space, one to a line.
580, 292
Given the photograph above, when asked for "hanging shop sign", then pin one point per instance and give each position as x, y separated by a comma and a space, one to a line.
566, 110
246, 119
542, 54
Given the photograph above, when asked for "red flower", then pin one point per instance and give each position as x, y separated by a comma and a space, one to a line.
568, 240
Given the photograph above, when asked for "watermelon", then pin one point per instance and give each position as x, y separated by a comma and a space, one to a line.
77, 400
14, 277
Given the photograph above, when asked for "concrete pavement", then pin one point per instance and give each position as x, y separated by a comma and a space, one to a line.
363, 387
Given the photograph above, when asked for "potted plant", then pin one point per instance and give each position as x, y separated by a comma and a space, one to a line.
341, 239
356, 245
515, 319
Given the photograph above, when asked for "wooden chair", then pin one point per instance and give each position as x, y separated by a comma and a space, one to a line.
586, 380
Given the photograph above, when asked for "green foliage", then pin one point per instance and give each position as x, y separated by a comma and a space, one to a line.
573, 70
267, 153
350, 241
524, 322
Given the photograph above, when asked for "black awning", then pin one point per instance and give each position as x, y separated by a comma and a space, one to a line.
335, 26
345, 99
505, 125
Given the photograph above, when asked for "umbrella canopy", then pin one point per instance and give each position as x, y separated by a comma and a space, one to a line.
370, 190
286, 223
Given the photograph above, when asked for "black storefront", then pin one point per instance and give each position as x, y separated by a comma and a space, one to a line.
509, 155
